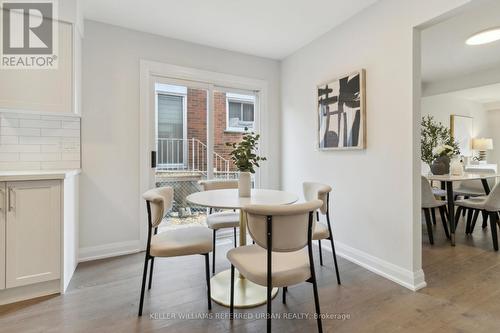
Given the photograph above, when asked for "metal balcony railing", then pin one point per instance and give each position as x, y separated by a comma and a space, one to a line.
189, 155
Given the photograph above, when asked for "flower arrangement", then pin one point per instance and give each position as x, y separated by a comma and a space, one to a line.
436, 141
445, 150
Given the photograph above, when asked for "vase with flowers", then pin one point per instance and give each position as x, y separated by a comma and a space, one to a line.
443, 155
245, 158
437, 146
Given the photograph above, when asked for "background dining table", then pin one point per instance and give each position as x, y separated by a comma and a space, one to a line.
447, 184
246, 293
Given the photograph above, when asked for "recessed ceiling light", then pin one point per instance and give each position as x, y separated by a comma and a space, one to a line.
484, 37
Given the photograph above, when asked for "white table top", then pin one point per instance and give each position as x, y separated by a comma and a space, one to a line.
229, 199
465, 176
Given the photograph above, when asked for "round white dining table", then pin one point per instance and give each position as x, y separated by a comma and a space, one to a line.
246, 293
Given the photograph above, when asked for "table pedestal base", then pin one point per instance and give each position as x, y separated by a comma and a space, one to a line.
246, 294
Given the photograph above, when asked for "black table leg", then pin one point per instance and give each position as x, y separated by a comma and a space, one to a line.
486, 186
451, 210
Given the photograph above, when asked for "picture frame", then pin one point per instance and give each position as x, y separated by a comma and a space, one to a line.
342, 126
462, 131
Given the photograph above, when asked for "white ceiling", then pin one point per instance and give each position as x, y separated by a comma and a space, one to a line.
484, 95
267, 28
444, 52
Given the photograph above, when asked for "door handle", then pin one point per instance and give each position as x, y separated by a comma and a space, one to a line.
11, 196
153, 159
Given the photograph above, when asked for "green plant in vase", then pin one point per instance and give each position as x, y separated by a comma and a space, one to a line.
245, 158
437, 145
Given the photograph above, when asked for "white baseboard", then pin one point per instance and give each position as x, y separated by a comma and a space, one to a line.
406, 278
108, 250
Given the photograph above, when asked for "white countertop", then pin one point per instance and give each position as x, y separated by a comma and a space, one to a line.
37, 174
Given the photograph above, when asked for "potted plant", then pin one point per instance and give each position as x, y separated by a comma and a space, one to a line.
245, 158
437, 146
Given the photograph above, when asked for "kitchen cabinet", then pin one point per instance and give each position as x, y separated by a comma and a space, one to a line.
38, 233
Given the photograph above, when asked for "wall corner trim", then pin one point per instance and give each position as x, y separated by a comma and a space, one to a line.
413, 280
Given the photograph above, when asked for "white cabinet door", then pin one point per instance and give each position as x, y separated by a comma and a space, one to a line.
33, 232
2, 235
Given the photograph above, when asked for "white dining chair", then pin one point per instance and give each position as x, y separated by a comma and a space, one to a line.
318, 191
171, 243
489, 204
429, 203
279, 258
224, 219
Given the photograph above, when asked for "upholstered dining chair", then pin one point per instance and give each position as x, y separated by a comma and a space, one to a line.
474, 188
172, 243
279, 258
224, 219
313, 191
429, 203
489, 204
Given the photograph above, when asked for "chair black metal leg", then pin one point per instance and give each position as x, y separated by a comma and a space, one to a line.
485, 219
143, 287
335, 260
317, 216
151, 272
320, 253
469, 221
213, 252
316, 298
493, 225
429, 225
269, 302
231, 295
285, 289
444, 221
474, 220
207, 276
457, 216
433, 213
234, 235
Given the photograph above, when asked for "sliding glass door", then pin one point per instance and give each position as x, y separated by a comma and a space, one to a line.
193, 122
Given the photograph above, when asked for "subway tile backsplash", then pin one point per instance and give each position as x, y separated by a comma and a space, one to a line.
39, 142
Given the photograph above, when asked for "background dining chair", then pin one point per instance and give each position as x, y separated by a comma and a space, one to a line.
429, 202
318, 191
221, 220
475, 188
489, 204
172, 243
279, 257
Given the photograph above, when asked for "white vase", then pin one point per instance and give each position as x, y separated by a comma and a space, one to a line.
244, 184
456, 167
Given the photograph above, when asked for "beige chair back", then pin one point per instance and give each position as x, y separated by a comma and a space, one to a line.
492, 204
160, 200
317, 191
217, 184
476, 185
428, 198
290, 224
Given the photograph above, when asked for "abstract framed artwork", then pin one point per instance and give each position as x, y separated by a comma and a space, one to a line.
461, 128
341, 113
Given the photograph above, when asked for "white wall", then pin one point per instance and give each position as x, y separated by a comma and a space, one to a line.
375, 200
494, 133
442, 106
110, 125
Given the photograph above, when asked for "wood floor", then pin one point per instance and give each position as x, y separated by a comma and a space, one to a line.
463, 295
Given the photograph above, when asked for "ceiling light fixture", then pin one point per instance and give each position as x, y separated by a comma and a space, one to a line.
484, 37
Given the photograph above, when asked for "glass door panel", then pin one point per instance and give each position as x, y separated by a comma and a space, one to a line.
181, 143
